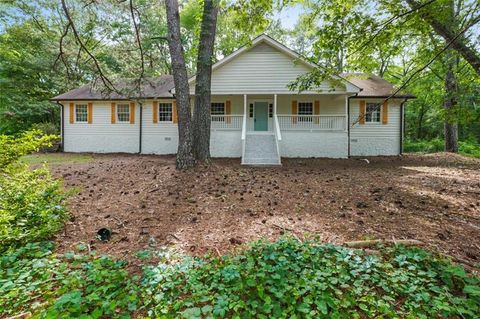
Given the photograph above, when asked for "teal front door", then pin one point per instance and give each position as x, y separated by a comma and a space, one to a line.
261, 116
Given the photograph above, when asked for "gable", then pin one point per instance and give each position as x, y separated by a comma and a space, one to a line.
261, 69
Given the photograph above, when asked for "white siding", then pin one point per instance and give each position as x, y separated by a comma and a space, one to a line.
260, 70
100, 136
372, 139
158, 138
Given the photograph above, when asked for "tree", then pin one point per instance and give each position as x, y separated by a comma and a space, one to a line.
185, 156
203, 81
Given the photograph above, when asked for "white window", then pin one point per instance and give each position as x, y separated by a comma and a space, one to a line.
217, 108
165, 112
123, 113
81, 113
372, 114
305, 108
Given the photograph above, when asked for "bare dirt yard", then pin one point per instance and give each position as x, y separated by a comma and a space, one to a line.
146, 202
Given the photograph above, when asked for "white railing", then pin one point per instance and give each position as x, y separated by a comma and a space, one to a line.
244, 135
311, 122
278, 133
226, 122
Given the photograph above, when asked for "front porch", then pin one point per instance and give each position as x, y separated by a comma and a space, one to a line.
271, 126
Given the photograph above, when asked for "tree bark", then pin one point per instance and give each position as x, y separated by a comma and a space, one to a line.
201, 113
460, 44
451, 126
185, 158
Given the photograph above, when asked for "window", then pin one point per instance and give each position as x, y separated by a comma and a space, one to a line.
165, 112
372, 114
305, 108
270, 110
81, 113
123, 113
217, 109
250, 111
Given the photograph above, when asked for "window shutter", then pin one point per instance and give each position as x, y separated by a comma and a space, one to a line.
132, 112
316, 111
362, 112
294, 111
174, 112
228, 111
155, 111
72, 113
90, 112
385, 112
114, 113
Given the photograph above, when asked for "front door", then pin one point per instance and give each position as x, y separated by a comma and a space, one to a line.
261, 116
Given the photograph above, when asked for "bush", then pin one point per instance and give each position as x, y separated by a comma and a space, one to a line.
33, 279
31, 201
469, 147
288, 279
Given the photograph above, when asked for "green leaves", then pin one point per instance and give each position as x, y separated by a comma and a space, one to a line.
288, 279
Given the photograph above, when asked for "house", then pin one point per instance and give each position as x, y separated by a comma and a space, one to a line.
254, 115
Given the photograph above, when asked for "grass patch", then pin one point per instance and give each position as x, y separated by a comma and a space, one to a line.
284, 279
56, 158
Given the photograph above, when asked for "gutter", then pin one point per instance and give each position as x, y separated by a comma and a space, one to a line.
140, 129
62, 125
402, 124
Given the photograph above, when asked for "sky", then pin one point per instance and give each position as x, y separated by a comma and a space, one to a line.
288, 16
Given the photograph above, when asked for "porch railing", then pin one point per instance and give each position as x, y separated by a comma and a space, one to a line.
311, 122
227, 122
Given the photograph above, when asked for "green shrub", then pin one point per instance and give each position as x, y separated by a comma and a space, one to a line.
31, 201
288, 279
431, 146
468, 147
33, 279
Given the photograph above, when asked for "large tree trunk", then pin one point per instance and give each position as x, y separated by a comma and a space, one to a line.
451, 126
446, 31
185, 158
201, 113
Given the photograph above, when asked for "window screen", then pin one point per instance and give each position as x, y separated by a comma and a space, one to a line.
123, 112
372, 114
165, 112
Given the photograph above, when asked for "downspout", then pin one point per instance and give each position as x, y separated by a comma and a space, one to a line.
140, 129
402, 121
348, 126
62, 125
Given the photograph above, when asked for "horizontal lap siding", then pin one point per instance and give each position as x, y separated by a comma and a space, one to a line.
261, 70
101, 136
158, 138
372, 139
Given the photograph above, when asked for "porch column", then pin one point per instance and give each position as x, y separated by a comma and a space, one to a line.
244, 105
275, 105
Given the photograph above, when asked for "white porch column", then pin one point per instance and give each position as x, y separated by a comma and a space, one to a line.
244, 105
275, 105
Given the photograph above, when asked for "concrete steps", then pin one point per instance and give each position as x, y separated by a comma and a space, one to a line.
260, 149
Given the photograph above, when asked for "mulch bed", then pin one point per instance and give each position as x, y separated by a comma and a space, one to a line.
147, 203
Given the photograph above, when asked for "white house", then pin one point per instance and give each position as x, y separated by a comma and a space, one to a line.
254, 115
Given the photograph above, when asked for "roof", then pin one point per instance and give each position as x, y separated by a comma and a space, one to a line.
163, 86
374, 86
157, 87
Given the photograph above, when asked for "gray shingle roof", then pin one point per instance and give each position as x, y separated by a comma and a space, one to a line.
374, 86
158, 87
